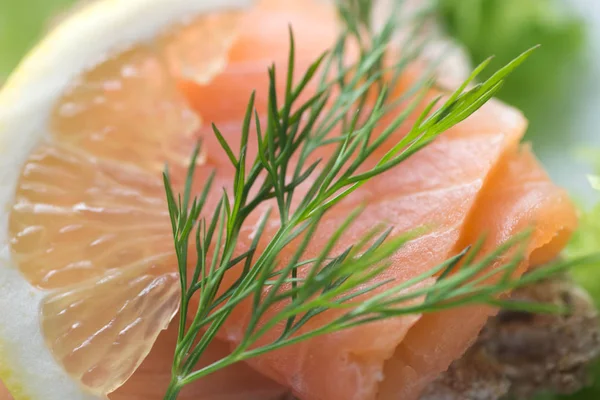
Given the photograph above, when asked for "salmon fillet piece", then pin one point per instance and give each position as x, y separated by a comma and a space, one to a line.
475, 179
518, 195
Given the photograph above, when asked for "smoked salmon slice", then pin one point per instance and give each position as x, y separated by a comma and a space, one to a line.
517, 193
473, 180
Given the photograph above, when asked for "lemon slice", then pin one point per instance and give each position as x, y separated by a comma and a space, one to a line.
86, 123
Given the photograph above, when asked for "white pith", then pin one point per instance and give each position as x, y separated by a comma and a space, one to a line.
27, 367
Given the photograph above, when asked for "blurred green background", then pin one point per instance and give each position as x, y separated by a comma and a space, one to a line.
22, 22
558, 89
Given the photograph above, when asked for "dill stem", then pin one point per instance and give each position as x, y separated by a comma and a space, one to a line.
174, 388
209, 369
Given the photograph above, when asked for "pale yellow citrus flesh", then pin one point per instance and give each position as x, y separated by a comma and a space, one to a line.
89, 221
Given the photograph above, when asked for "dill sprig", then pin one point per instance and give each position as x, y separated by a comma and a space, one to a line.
294, 293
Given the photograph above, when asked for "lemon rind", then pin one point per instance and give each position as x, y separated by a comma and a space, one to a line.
28, 369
